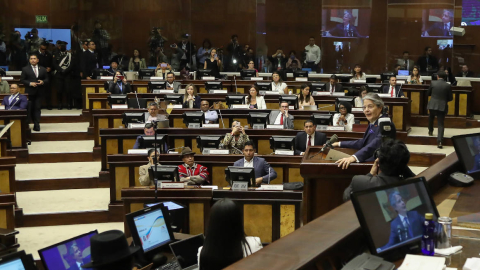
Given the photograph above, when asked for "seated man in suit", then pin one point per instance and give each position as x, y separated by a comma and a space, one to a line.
15, 101
281, 117
144, 178
308, 137
148, 131
389, 167
171, 83
407, 225
393, 89
119, 85
333, 85
263, 171
211, 116
465, 72
405, 62
153, 114
191, 172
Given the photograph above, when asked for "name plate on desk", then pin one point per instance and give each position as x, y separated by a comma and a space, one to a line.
156, 78
136, 125
274, 126
384, 95
208, 78
167, 185
211, 126
164, 91
321, 93
239, 185
301, 79
271, 187
357, 109
137, 151
284, 152
218, 91
360, 81
119, 106
336, 128
256, 78
216, 152
338, 94
11, 78
175, 106
322, 127
105, 77
240, 106
291, 107
269, 93
2, 107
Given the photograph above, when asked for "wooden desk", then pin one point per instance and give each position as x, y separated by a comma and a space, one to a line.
7, 174
7, 209
18, 131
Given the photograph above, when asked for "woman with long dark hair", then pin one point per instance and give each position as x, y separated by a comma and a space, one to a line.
254, 99
305, 98
344, 117
136, 62
225, 240
358, 74
415, 78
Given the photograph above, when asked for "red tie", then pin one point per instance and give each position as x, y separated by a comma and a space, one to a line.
281, 120
392, 92
309, 143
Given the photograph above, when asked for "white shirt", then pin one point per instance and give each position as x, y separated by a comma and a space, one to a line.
402, 218
210, 116
277, 120
332, 88
313, 53
280, 87
248, 164
312, 140
350, 118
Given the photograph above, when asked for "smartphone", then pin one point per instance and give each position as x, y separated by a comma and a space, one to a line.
215, 55
163, 65
120, 78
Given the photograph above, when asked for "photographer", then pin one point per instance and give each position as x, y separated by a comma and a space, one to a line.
18, 51
33, 41
188, 51
101, 38
155, 43
177, 54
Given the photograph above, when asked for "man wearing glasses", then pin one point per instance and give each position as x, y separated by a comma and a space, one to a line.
281, 117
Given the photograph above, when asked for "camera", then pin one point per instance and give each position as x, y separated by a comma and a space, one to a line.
29, 35
173, 45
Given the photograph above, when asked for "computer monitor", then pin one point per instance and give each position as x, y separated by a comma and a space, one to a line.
264, 86
204, 73
105, 67
146, 73
379, 209
257, 120
193, 119
467, 148
78, 251
403, 72
248, 73
385, 77
156, 85
136, 118
185, 251
318, 86
97, 73
17, 261
150, 229
148, 142
350, 100
300, 73
117, 99
344, 78
213, 85
174, 99
292, 100
375, 88
234, 99
351, 92
208, 142
164, 173
3, 71
282, 142
307, 69
322, 119
240, 174
177, 213
371, 80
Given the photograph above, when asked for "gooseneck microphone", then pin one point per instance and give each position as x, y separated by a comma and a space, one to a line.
329, 143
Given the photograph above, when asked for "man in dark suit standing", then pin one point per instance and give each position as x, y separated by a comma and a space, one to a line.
428, 62
34, 77
441, 93
263, 172
45, 59
393, 89
465, 72
333, 85
15, 101
63, 62
308, 137
89, 61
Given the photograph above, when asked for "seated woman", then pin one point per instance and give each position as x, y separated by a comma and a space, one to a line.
278, 85
144, 178
119, 84
162, 70
225, 241
191, 99
136, 62
254, 99
415, 78
358, 74
251, 66
235, 140
305, 98
213, 63
359, 100
344, 117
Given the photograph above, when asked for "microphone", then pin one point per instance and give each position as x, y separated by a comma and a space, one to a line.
137, 99
181, 147
234, 78
329, 143
399, 232
221, 117
398, 92
269, 175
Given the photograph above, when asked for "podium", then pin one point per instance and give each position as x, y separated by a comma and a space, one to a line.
325, 181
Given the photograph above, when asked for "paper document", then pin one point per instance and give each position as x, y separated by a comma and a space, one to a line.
417, 262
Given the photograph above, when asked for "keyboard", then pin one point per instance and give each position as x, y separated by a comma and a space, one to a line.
170, 266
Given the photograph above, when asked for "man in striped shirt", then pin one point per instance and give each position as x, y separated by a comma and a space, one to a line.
191, 172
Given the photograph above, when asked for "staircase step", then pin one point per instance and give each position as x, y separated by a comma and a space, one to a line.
64, 218
60, 136
61, 151
62, 127
62, 119
62, 170
60, 184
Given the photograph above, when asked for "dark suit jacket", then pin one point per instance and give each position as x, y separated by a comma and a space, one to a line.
437, 29
441, 93
188, 53
422, 63
362, 182
45, 60
115, 89
275, 60
398, 93
415, 229
261, 168
18, 103
196, 102
338, 87
28, 76
469, 74
287, 124
56, 65
89, 63
301, 141
338, 31
371, 141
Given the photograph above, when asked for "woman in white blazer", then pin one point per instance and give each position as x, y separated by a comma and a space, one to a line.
344, 117
254, 100
278, 85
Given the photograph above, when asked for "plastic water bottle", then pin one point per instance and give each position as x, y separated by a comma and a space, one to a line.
428, 238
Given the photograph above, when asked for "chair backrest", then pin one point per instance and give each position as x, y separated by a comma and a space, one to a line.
133, 104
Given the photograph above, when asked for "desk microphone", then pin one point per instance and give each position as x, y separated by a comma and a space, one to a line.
221, 117
269, 168
181, 147
237, 149
137, 99
329, 143
235, 79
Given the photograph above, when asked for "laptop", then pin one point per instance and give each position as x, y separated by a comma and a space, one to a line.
403, 72
186, 251
17, 261
379, 213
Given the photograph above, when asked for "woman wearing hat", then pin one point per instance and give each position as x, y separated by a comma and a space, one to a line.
191, 172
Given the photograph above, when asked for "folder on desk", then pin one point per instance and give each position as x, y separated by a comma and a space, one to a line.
335, 155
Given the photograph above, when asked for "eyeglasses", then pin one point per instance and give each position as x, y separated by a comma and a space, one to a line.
370, 106
341, 108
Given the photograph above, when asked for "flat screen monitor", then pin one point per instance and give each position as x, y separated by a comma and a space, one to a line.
50, 34
240, 174
213, 85
350, 100
234, 99
467, 148
97, 73
208, 142
257, 119
292, 100
248, 73
374, 88
358, 20
351, 91
185, 251
470, 14
318, 86
152, 67
371, 80
307, 69
117, 99
157, 85
322, 119
264, 86
193, 118
148, 142
171, 205
150, 228
402, 72
146, 73
300, 73
78, 252
17, 261
136, 118
379, 209
164, 173
385, 77
174, 99
344, 78
106, 67
204, 73
282, 142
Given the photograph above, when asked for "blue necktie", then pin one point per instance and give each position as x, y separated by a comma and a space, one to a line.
121, 88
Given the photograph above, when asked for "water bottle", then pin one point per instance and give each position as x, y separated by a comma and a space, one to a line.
428, 238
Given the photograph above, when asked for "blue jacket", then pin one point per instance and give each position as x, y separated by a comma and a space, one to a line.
371, 141
261, 167
18, 103
415, 229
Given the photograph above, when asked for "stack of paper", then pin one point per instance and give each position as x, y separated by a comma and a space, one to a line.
472, 264
416, 262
